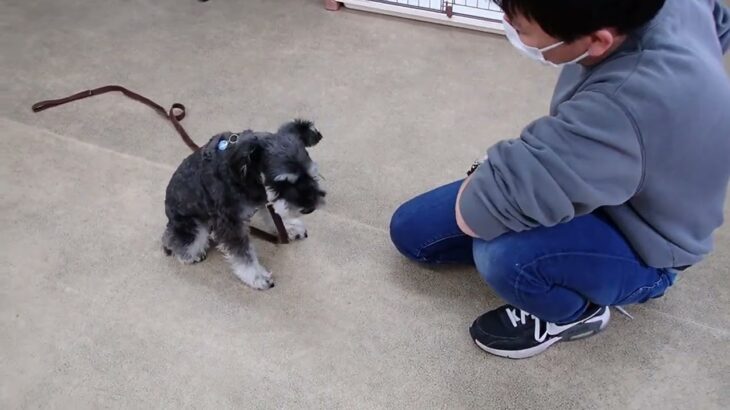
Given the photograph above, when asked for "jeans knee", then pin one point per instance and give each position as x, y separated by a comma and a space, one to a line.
497, 266
401, 227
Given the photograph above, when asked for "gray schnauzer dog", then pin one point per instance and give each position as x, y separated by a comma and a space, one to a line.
216, 191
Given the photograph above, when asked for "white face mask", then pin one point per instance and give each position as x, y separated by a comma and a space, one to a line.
535, 53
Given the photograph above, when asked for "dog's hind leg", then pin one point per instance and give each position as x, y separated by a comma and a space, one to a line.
234, 242
187, 240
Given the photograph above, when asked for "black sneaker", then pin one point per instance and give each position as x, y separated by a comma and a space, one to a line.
514, 333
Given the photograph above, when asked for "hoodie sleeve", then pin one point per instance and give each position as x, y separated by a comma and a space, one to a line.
722, 24
588, 155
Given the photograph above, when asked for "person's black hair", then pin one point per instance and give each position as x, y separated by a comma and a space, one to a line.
569, 20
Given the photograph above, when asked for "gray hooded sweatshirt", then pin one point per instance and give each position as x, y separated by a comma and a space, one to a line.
643, 136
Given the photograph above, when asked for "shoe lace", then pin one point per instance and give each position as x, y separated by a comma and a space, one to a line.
519, 317
624, 312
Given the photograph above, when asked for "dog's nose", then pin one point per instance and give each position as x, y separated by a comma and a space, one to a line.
307, 211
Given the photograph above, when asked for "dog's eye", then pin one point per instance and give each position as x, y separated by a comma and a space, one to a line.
291, 194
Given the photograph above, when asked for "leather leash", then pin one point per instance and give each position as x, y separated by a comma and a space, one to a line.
175, 114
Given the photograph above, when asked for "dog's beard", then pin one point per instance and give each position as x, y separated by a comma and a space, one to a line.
282, 206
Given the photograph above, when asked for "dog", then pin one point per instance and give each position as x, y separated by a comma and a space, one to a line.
217, 190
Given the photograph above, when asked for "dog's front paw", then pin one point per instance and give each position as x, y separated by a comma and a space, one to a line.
296, 229
189, 259
263, 282
255, 276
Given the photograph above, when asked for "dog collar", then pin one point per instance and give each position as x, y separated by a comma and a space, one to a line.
224, 143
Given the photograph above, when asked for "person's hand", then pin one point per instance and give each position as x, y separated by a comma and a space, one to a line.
475, 165
459, 219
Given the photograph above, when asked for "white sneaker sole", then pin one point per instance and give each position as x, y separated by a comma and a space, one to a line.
519, 354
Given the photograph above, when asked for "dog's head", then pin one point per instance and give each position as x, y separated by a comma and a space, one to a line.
278, 162
290, 176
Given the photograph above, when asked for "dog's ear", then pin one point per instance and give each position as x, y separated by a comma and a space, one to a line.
304, 130
246, 159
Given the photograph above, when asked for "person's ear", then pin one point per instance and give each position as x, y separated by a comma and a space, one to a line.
601, 42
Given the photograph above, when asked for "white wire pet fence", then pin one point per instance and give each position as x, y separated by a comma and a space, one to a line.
482, 15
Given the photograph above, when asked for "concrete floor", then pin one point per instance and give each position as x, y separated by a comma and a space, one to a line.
92, 315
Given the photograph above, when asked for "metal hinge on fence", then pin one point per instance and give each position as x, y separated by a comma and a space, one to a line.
448, 8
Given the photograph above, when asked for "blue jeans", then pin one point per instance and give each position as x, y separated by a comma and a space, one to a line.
553, 273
